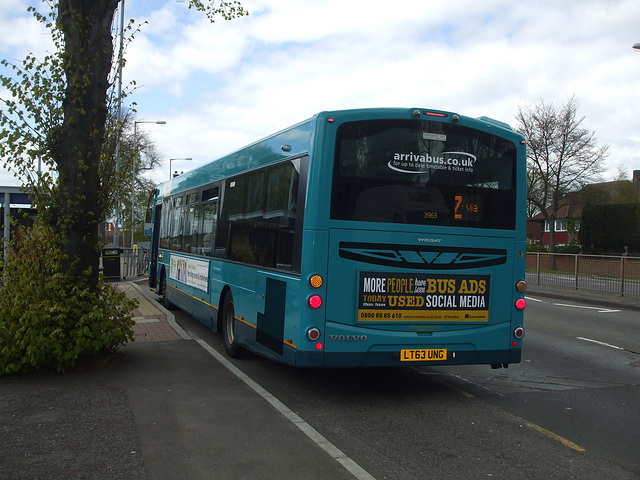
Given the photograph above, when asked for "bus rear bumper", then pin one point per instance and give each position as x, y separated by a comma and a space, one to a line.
392, 359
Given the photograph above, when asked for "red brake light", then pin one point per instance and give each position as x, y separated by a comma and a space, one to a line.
315, 301
520, 304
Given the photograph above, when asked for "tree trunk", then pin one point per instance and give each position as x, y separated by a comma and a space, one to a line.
552, 242
77, 144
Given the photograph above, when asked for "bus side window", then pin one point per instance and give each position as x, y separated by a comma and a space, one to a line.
177, 225
232, 211
246, 220
282, 195
165, 223
207, 221
257, 222
190, 227
208, 214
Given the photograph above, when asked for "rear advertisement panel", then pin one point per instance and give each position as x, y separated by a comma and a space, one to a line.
416, 297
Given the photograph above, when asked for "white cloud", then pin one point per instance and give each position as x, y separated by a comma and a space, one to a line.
22, 34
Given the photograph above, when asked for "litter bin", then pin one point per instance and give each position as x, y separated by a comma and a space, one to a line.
111, 263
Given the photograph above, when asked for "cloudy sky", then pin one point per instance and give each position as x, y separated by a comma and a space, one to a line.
220, 86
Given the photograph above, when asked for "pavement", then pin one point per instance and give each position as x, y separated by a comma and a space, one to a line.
173, 408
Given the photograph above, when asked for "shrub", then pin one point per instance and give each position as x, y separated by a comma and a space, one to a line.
569, 249
50, 319
610, 228
538, 247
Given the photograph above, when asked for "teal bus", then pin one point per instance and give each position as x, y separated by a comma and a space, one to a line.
370, 237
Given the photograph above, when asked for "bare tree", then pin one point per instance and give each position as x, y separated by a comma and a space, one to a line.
562, 156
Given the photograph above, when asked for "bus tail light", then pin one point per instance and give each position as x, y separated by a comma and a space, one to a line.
436, 114
313, 334
315, 301
518, 332
521, 286
520, 304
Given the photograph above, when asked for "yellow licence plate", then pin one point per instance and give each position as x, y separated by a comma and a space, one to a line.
423, 354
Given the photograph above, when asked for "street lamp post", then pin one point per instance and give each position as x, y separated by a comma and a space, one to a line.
186, 159
133, 167
116, 237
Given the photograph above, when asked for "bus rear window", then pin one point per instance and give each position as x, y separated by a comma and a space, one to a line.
423, 173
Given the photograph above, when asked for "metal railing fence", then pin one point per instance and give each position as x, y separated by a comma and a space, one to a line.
135, 262
616, 274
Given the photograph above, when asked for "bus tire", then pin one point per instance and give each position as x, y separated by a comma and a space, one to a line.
166, 303
228, 327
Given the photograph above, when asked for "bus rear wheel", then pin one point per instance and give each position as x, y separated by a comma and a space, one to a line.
228, 327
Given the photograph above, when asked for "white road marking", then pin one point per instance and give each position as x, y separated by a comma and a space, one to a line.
600, 343
531, 299
599, 309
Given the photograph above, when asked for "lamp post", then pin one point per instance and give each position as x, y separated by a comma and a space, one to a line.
133, 167
186, 159
116, 235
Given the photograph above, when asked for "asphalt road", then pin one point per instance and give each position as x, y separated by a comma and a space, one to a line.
580, 378
571, 409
